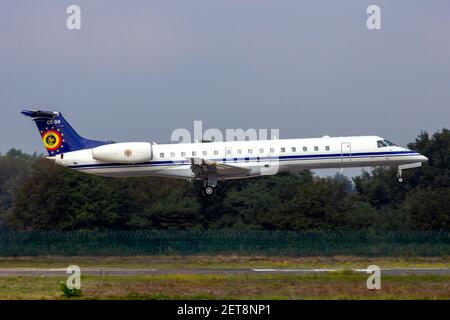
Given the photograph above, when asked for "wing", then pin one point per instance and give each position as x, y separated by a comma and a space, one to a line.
204, 167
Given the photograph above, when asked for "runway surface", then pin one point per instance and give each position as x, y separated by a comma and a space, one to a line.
132, 272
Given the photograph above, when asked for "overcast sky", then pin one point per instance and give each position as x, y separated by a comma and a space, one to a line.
137, 70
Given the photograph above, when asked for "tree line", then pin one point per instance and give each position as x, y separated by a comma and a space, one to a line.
36, 194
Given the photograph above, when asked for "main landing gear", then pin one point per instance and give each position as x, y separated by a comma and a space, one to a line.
209, 186
208, 191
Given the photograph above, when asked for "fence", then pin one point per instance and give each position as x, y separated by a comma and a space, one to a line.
305, 243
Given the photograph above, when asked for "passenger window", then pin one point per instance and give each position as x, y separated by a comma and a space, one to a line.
250, 151
194, 153
272, 150
205, 153
228, 151
161, 155
172, 154
216, 152
293, 149
261, 150
327, 148
305, 149
239, 151
316, 148
283, 149
183, 154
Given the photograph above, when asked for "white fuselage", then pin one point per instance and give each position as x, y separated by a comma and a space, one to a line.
260, 157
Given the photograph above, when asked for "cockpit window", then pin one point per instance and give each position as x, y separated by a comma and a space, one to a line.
389, 143
381, 144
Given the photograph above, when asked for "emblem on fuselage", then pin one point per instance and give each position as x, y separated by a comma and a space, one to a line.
128, 153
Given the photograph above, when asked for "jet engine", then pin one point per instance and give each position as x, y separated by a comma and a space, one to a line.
127, 153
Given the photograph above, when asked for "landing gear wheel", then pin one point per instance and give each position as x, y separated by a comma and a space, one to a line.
208, 191
399, 175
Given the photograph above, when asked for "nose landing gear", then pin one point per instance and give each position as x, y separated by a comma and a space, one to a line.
406, 166
399, 175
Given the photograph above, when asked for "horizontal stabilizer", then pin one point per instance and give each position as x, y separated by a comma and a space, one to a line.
40, 114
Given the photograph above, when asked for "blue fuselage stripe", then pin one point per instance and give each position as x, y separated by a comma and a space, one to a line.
249, 159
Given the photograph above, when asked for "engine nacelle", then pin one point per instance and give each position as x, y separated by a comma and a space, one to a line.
128, 152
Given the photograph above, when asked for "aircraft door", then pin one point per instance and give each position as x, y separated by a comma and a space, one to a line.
346, 152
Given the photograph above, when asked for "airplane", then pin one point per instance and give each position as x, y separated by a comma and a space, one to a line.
214, 161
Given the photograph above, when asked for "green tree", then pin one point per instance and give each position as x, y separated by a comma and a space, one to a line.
15, 167
44, 202
176, 211
258, 203
320, 204
95, 202
428, 209
436, 172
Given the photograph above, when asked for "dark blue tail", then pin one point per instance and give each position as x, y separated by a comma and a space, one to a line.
57, 134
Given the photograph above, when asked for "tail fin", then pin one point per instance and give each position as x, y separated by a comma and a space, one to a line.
57, 134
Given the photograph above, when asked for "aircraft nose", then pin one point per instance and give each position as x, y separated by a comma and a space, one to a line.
423, 158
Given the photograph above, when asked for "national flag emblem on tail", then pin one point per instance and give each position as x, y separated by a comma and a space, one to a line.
53, 140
